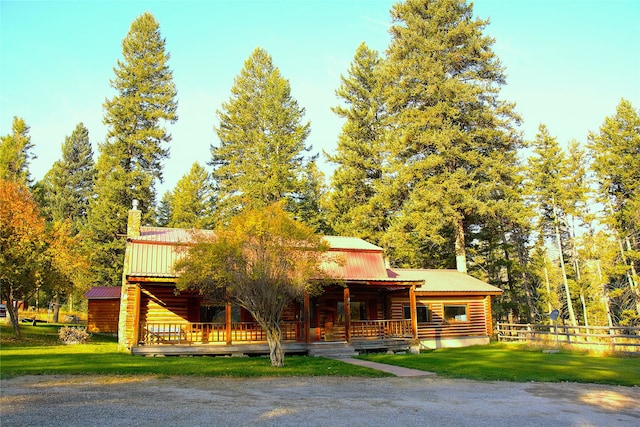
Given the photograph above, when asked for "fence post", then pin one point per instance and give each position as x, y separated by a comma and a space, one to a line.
612, 334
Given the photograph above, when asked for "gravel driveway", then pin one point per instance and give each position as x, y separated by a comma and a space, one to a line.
322, 401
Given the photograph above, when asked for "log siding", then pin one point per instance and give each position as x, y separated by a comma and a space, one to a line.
475, 325
102, 315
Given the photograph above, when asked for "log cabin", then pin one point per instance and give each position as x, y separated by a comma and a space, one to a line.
372, 308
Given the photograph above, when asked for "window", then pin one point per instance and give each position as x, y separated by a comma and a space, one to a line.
455, 313
422, 311
217, 313
357, 311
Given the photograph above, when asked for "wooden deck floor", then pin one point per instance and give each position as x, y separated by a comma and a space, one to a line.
321, 348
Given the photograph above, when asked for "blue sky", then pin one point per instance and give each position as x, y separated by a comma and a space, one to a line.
568, 62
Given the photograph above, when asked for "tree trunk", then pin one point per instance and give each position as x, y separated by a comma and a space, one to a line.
274, 338
576, 266
461, 254
56, 308
605, 296
583, 300
565, 282
631, 271
12, 307
572, 316
546, 281
633, 278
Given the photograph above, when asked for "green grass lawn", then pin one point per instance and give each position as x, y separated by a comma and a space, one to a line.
41, 353
517, 362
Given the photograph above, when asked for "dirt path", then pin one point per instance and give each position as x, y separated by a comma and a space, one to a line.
323, 401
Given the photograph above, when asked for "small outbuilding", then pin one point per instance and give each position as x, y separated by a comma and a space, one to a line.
103, 309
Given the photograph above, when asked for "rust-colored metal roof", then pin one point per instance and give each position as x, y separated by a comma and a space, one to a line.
154, 252
355, 265
103, 292
445, 281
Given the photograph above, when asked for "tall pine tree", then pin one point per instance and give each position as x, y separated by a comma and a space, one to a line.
163, 210
451, 140
192, 200
130, 161
615, 150
260, 158
360, 154
310, 208
16, 153
66, 191
70, 181
548, 180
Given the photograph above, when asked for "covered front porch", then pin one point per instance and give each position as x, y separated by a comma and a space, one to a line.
248, 338
359, 317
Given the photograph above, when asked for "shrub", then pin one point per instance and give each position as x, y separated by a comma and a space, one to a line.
70, 335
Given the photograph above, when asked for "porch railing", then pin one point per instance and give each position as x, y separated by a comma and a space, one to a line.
380, 329
210, 333
246, 332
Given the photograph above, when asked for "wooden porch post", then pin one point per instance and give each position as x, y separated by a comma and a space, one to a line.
347, 315
227, 320
136, 316
307, 317
414, 312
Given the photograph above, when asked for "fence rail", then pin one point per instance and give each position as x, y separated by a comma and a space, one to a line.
617, 338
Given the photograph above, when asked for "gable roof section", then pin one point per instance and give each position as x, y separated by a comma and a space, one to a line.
154, 260
154, 252
168, 235
354, 265
351, 243
445, 281
354, 259
103, 292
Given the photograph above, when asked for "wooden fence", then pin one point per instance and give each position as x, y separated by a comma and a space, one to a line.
616, 339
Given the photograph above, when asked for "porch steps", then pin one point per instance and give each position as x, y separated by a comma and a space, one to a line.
336, 350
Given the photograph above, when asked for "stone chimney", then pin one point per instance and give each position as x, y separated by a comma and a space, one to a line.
134, 221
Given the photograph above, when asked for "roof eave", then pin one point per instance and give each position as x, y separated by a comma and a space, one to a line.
151, 279
457, 293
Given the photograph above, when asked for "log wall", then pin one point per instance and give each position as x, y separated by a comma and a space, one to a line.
160, 304
102, 315
476, 324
